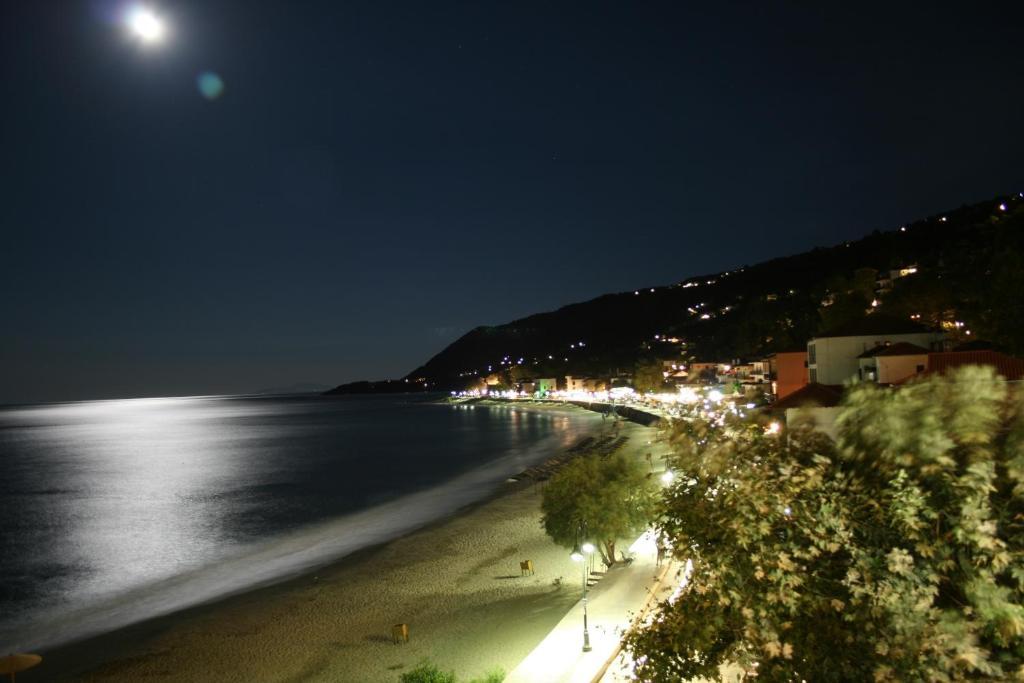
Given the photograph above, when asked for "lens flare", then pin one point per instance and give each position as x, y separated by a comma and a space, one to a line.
210, 85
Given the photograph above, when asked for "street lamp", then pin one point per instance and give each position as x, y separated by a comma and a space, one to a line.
579, 554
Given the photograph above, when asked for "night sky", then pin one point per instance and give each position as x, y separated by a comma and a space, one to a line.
377, 178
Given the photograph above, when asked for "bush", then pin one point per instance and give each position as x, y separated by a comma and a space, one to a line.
430, 673
427, 673
496, 676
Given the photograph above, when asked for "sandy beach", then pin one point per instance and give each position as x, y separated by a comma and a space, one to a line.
457, 584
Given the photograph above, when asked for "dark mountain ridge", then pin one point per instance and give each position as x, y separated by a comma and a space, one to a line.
960, 266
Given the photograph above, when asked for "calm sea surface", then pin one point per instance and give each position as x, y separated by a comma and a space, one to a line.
115, 511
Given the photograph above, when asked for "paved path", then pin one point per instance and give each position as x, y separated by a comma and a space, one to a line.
612, 604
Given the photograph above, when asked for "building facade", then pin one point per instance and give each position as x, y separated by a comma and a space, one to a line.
790, 371
833, 357
892, 363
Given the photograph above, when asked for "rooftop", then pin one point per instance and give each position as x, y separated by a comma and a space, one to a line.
786, 352
811, 395
1007, 366
897, 349
876, 324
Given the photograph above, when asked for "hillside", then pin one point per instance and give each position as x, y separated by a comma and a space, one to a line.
967, 265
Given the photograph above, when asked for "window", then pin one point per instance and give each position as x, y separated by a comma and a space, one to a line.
814, 375
811, 355
920, 368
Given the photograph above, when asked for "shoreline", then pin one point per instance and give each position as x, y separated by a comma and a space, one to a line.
455, 580
630, 413
88, 657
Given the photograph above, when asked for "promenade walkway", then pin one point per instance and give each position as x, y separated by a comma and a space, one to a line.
616, 599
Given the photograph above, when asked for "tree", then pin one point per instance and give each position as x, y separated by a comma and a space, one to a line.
519, 373
928, 298
612, 496
851, 298
1001, 312
894, 553
648, 376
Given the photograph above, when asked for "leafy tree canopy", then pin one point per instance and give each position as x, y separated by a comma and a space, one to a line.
850, 298
893, 554
648, 376
612, 496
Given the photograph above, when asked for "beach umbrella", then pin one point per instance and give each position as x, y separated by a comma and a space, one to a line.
12, 664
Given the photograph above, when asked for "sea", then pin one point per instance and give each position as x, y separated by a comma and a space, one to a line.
114, 512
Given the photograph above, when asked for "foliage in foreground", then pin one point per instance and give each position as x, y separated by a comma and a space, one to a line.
427, 673
612, 496
893, 554
430, 673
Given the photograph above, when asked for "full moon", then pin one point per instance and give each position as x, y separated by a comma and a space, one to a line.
145, 24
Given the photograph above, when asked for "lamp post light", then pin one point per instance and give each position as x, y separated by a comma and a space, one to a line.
581, 554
